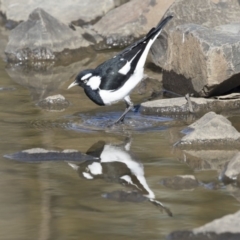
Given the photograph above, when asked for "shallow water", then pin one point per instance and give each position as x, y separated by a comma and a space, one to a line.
51, 200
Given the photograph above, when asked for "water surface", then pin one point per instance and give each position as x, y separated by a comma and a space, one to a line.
51, 200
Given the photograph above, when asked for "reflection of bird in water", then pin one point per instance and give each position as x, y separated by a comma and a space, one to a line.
116, 164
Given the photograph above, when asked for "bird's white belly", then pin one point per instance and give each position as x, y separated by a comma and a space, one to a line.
111, 96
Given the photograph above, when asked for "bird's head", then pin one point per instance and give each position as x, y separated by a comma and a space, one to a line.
82, 78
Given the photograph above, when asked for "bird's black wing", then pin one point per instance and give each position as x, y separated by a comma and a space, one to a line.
111, 78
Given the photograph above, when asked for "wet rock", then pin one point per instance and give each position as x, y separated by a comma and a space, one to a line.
180, 182
238, 180
67, 11
200, 56
227, 227
41, 37
211, 128
54, 103
122, 25
232, 170
180, 105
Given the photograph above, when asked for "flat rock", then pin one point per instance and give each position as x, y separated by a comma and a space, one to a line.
211, 128
122, 25
79, 12
202, 57
172, 106
41, 37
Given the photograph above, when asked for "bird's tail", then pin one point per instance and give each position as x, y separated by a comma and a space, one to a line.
156, 31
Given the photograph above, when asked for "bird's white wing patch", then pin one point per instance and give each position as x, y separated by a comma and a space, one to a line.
86, 76
125, 69
94, 82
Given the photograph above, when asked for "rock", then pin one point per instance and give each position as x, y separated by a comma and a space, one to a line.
211, 128
201, 57
78, 12
41, 37
54, 103
211, 61
204, 160
122, 25
227, 227
173, 106
232, 170
180, 182
238, 180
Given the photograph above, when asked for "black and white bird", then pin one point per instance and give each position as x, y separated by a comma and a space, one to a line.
114, 79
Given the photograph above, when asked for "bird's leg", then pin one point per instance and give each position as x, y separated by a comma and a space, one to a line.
129, 106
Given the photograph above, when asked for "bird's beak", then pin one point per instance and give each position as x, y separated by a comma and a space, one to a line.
72, 84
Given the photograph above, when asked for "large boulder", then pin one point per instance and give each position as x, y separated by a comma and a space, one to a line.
203, 53
67, 11
41, 37
122, 25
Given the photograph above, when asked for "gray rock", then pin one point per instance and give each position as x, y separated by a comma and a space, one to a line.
199, 59
227, 227
211, 128
232, 170
41, 37
211, 61
65, 10
180, 105
122, 25
54, 103
180, 182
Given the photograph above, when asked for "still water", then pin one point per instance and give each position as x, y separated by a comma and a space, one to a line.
55, 200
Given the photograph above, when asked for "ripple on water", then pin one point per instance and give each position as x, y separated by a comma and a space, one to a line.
104, 121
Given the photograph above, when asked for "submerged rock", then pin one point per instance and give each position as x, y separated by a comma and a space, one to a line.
41, 37
54, 103
202, 58
180, 182
122, 25
211, 128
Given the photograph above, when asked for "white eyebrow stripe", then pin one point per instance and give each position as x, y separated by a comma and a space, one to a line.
94, 82
86, 76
